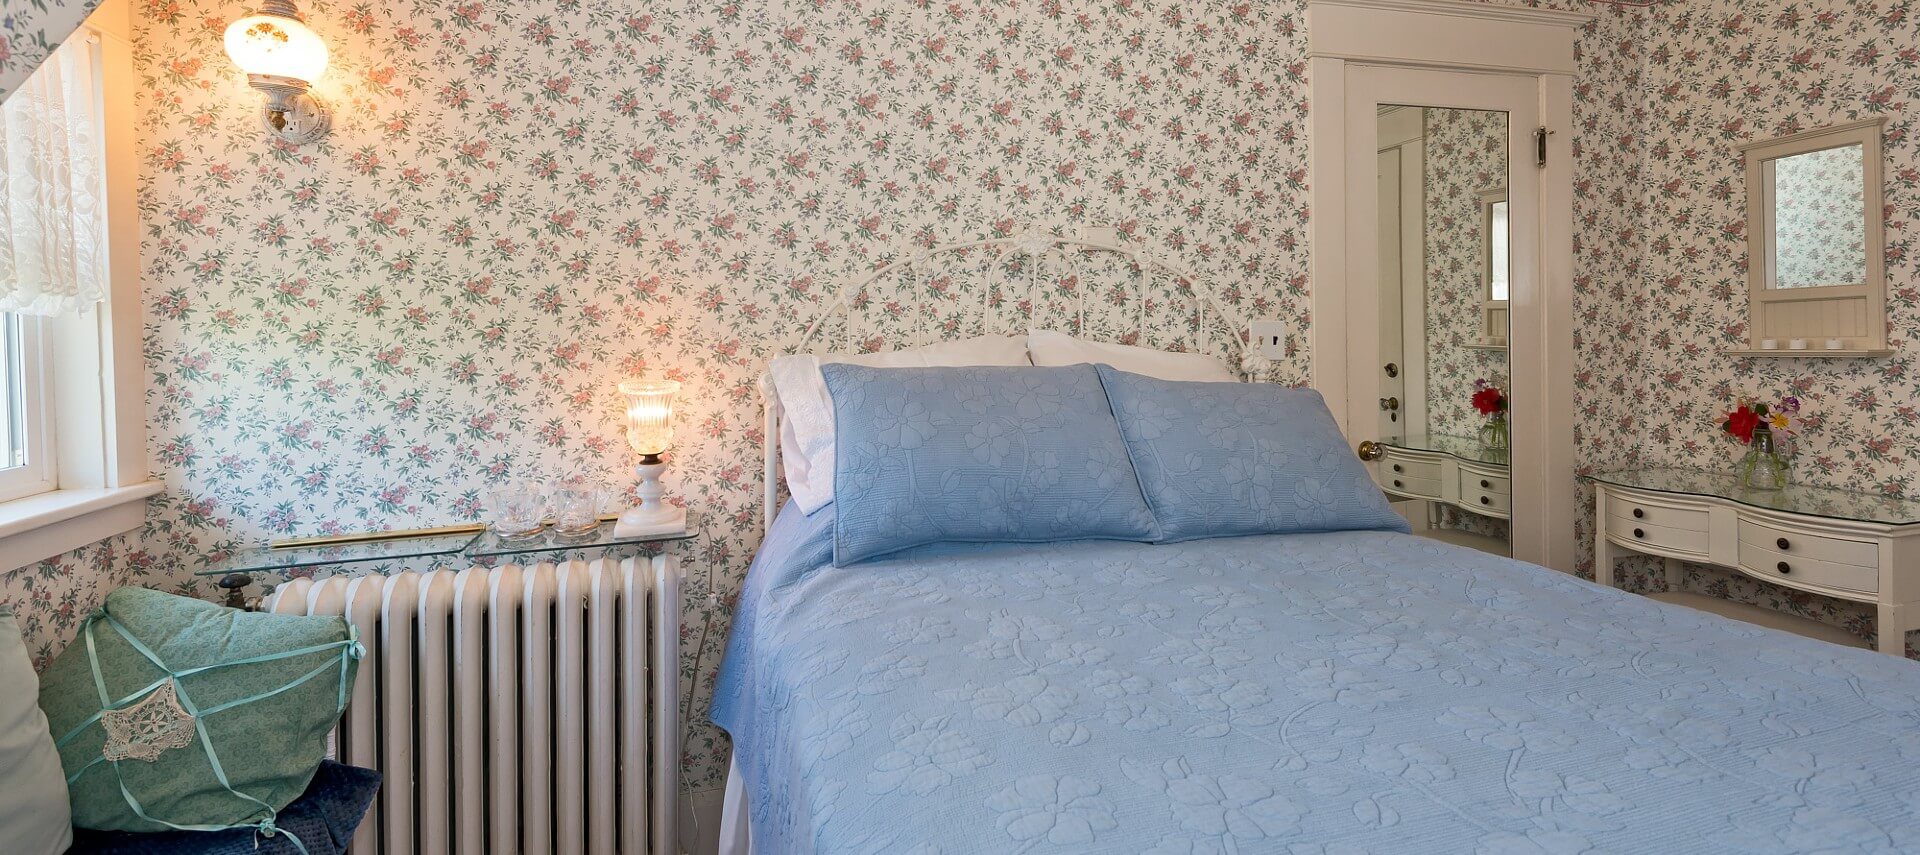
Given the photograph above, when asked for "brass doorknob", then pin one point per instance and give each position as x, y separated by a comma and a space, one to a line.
1370, 450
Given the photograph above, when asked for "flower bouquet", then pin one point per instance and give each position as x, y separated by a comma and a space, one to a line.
1492, 403
1766, 429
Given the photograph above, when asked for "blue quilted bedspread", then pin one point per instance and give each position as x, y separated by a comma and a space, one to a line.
1323, 693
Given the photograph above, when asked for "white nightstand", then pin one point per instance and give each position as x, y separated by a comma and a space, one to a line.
1445, 470
1850, 546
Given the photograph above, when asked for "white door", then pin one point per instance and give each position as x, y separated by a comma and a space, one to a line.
1393, 391
1402, 361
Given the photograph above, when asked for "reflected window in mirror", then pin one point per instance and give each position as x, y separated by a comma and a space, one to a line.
1497, 250
1495, 267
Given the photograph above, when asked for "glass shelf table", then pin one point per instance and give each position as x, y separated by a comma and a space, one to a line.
471, 547
1852, 546
1792, 499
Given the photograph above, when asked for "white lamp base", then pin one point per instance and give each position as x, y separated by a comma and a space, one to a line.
641, 522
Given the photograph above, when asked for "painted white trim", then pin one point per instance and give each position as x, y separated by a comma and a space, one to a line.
1479, 11
1517, 43
39, 527
1552, 348
1443, 34
1327, 261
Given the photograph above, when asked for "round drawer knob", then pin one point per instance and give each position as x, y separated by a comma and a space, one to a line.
1396, 468
1396, 482
1782, 543
1485, 501
1637, 513
1485, 484
1639, 533
1782, 567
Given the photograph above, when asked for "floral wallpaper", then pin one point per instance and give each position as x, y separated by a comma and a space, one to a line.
51, 597
1465, 153
1702, 78
520, 204
30, 30
1819, 235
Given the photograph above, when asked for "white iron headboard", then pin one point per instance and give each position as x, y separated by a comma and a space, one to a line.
1049, 276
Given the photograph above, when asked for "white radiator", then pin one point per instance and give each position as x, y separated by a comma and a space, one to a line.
509, 708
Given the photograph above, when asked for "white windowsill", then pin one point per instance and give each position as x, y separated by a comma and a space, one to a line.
40, 527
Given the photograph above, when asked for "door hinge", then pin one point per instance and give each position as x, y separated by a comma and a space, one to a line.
1540, 135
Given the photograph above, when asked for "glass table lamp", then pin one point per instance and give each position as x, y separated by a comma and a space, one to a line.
650, 432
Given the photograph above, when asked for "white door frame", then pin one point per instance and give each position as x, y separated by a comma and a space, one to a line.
1362, 49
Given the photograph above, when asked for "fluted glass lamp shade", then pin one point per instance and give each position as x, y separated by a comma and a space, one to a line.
650, 432
649, 415
276, 45
282, 58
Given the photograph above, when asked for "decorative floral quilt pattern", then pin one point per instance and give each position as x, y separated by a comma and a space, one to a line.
1301, 693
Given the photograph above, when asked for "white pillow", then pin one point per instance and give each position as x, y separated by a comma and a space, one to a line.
33, 803
806, 426
1049, 348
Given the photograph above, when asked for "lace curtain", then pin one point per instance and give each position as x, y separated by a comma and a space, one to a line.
53, 226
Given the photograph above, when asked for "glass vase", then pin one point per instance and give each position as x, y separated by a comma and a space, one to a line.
1764, 467
1493, 434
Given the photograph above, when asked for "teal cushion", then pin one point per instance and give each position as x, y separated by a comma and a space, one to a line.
214, 718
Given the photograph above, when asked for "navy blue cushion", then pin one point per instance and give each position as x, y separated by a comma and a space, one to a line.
324, 818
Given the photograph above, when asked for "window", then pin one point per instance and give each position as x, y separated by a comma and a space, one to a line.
1497, 251
73, 463
26, 435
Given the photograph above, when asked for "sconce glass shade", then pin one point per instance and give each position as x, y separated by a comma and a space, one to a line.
276, 45
649, 414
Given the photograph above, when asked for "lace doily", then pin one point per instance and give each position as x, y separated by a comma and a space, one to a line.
148, 729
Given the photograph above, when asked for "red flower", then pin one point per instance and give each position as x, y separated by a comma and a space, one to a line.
1741, 423
1489, 401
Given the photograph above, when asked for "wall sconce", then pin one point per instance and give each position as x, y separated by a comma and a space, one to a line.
282, 58
650, 432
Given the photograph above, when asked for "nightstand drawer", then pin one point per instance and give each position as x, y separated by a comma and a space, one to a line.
1481, 500
1394, 466
1474, 483
1426, 488
1635, 512
1767, 563
1817, 547
1642, 533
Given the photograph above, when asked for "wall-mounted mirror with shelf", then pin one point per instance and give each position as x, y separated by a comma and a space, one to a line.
1816, 274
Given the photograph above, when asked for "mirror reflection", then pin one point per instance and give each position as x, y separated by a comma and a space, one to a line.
1445, 278
1819, 234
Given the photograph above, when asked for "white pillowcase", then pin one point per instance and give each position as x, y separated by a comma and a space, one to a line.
33, 803
806, 426
1049, 348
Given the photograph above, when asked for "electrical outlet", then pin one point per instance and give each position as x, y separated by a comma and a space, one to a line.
1100, 234
1270, 337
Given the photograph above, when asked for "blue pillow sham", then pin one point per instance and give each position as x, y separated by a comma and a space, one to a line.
1228, 459
977, 454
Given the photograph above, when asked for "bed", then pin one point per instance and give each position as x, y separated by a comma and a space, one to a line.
1357, 691
1342, 691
